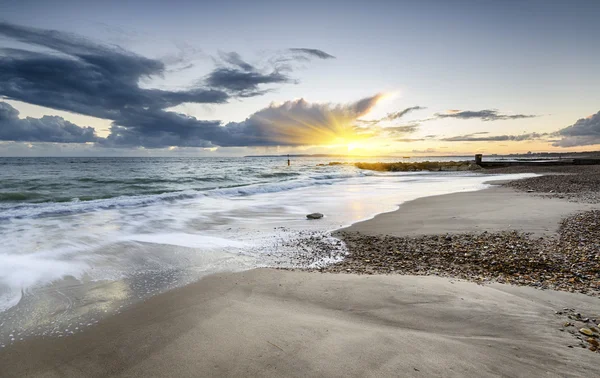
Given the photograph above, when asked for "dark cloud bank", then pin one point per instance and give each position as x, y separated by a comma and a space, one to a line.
66, 72
45, 129
584, 132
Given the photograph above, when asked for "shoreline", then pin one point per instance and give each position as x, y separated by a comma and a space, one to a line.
493, 235
274, 322
497, 208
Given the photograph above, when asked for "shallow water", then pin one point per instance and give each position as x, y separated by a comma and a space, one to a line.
64, 265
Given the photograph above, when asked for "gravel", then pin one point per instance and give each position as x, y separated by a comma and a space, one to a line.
585, 328
568, 262
577, 183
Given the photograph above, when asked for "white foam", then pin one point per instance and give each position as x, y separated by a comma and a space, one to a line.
187, 240
19, 273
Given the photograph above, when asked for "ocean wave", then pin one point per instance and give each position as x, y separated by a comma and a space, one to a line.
279, 174
88, 204
19, 196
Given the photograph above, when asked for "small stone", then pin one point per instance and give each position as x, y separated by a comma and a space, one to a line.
593, 341
314, 216
586, 331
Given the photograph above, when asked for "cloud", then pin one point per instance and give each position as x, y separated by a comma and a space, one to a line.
67, 72
299, 122
407, 129
84, 77
402, 113
494, 138
584, 132
484, 115
293, 123
240, 78
243, 83
409, 140
46, 129
313, 52
153, 128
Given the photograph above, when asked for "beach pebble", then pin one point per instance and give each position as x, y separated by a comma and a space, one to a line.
586, 331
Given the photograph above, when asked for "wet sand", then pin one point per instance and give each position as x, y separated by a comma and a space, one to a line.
495, 209
273, 323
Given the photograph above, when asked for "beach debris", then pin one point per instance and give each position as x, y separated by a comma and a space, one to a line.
314, 216
579, 331
574, 183
276, 346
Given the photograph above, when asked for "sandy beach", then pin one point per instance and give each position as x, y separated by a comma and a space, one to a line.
274, 323
278, 323
496, 209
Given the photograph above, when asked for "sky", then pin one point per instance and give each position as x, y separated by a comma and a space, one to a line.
234, 78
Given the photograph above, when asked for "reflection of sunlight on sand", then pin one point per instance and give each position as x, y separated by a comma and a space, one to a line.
105, 296
63, 308
357, 209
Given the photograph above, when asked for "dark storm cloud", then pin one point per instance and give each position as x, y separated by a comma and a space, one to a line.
484, 115
85, 77
584, 132
313, 52
292, 123
46, 129
402, 113
241, 82
494, 138
240, 78
71, 73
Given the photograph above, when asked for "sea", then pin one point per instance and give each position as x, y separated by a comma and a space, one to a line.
83, 238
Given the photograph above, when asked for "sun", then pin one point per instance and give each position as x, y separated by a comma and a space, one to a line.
354, 147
